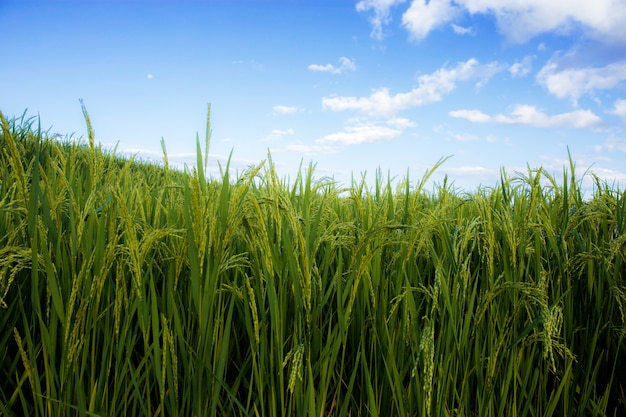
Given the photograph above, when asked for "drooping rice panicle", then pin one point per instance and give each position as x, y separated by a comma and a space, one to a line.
133, 288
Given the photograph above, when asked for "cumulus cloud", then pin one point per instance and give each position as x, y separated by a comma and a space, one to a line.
358, 132
518, 20
530, 116
381, 14
422, 17
619, 109
521, 20
572, 83
346, 64
431, 88
280, 109
521, 68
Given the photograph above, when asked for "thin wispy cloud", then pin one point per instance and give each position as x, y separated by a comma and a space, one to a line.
281, 109
611, 176
279, 134
466, 137
461, 30
381, 15
345, 64
431, 88
612, 144
311, 149
531, 116
471, 171
253, 63
285, 132
521, 68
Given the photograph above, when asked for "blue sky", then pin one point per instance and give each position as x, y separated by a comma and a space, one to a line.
353, 86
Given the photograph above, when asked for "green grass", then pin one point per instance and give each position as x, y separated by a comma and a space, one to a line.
129, 288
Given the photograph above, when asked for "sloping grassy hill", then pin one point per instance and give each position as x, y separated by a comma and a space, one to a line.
128, 288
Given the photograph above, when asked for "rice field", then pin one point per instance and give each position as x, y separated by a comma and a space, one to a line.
130, 288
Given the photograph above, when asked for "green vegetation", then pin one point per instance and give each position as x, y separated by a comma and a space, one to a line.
128, 288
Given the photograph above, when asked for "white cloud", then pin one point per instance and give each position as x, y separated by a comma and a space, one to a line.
280, 109
254, 64
530, 116
572, 83
612, 144
431, 88
400, 123
460, 30
150, 76
381, 14
346, 64
475, 116
278, 135
311, 149
521, 68
472, 171
619, 109
466, 137
286, 132
358, 132
518, 20
422, 17
366, 133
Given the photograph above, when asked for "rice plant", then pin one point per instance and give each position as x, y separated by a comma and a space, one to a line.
130, 288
